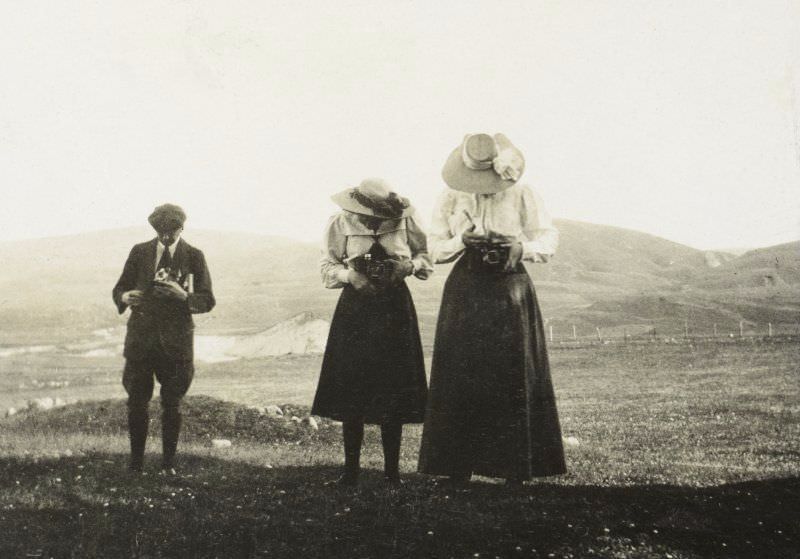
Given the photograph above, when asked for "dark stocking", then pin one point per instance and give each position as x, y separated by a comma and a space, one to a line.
353, 434
391, 436
137, 430
170, 429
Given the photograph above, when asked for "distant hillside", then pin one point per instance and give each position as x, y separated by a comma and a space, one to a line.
774, 266
56, 290
51, 288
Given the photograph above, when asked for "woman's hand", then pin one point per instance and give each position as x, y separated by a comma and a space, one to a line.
514, 256
401, 269
470, 238
360, 282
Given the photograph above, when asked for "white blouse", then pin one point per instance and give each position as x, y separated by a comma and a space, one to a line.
347, 238
517, 212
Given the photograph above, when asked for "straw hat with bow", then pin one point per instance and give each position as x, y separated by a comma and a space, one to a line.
483, 164
375, 198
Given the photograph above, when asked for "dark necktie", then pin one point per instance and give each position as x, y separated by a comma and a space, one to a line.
166, 260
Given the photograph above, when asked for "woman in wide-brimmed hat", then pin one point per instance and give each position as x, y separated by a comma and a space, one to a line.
491, 409
373, 370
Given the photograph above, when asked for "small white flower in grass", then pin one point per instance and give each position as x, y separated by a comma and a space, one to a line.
346, 509
430, 532
606, 530
655, 531
105, 504
518, 548
631, 525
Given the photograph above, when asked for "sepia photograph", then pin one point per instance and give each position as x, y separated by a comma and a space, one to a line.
376, 279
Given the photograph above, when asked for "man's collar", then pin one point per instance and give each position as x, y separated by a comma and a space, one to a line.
172, 247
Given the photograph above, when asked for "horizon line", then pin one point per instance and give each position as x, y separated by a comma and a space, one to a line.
730, 249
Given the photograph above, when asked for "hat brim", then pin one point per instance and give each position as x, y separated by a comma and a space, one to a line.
345, 201
460, 177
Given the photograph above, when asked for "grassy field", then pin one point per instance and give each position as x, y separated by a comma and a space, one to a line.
686, 450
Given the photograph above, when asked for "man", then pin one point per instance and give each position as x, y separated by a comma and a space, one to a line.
164, 281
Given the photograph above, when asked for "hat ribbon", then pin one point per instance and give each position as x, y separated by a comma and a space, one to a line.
391, 207
504, 163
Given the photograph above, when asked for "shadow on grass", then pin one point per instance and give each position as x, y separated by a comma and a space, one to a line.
90, 506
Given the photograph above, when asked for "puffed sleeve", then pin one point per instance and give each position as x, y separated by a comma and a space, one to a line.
334, 247
537, 227
442, 244
418, 244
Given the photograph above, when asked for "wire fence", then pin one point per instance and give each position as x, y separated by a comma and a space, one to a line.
561, 335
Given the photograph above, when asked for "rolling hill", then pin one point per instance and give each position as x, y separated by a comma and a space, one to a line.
57, 289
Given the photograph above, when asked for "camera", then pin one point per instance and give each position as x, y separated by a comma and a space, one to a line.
489, 255
377, 270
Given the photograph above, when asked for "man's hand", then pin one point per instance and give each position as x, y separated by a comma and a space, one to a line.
514, 256
360, 282
170, 290
132, 298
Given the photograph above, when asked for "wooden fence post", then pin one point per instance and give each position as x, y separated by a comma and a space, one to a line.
599, 338
574, 333
741, 328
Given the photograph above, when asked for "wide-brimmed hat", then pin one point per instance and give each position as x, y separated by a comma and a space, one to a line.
483, 164
373, 197
167, 217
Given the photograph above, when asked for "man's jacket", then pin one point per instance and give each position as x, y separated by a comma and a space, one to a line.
161, 322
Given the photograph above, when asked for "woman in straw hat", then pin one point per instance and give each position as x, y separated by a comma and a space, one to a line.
491, 409
373, 371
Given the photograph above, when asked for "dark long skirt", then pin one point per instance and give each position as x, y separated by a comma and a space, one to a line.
373, 366
491, 409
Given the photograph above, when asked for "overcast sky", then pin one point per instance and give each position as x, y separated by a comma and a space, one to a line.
678, 118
